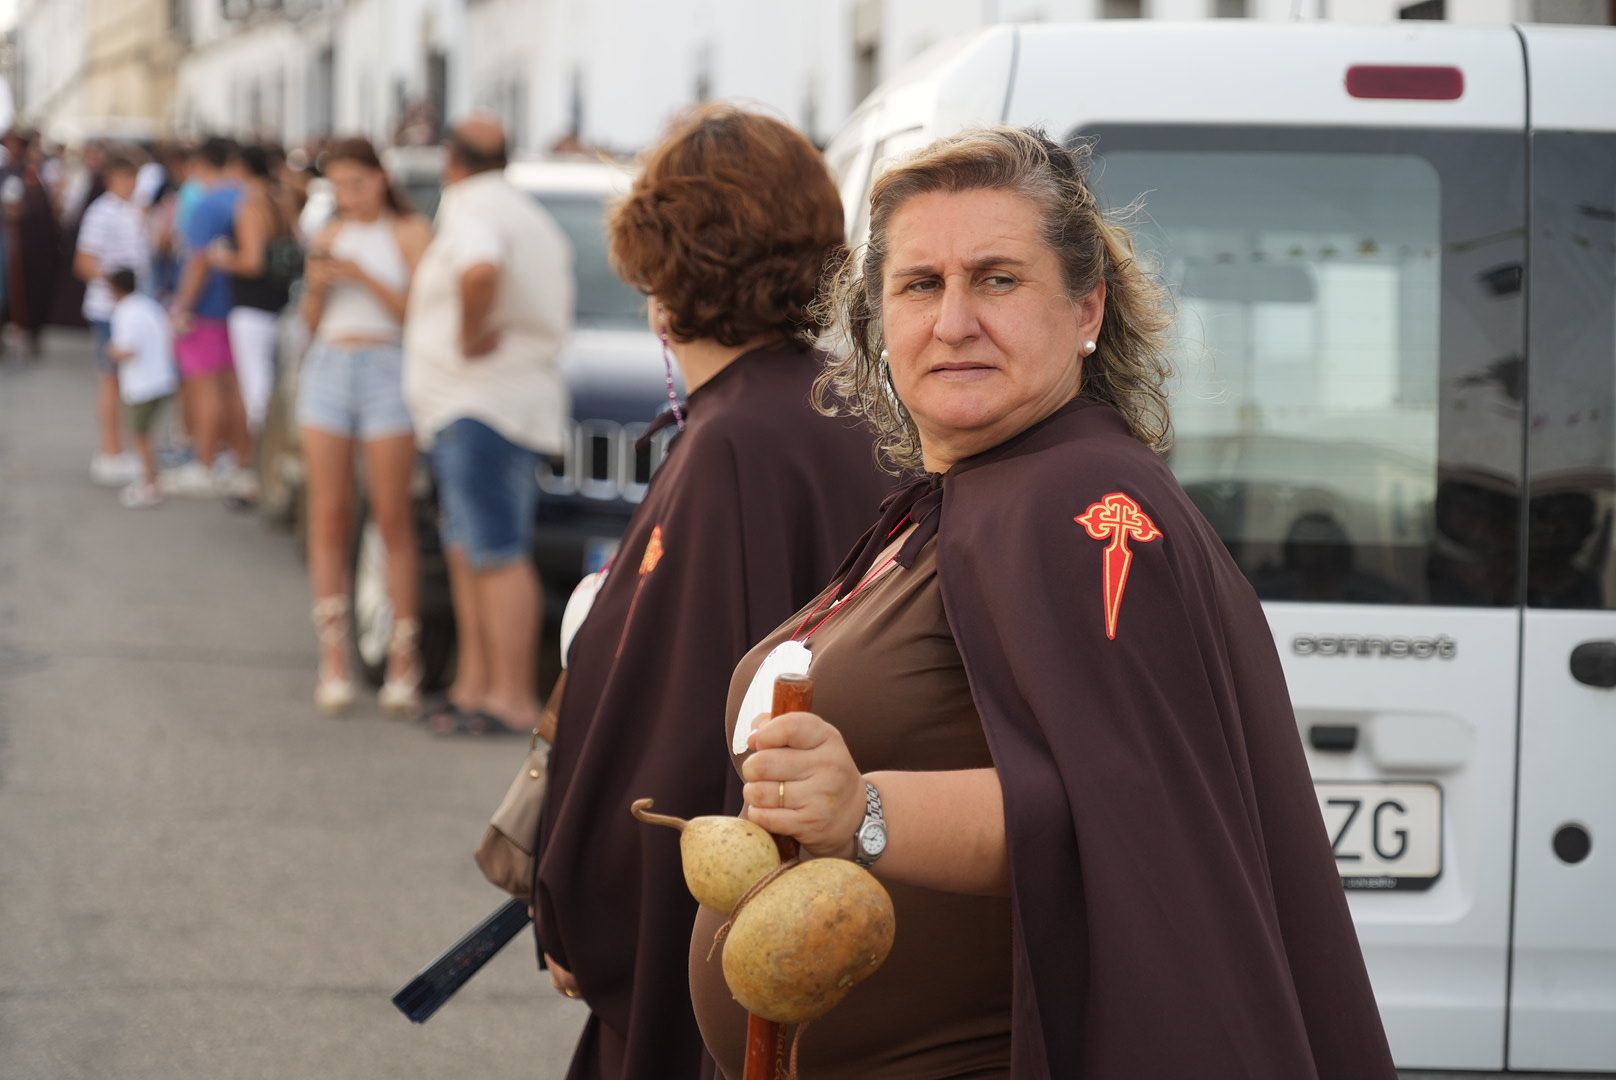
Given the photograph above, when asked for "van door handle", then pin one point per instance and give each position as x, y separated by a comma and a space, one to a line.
1333, 738
1594, 663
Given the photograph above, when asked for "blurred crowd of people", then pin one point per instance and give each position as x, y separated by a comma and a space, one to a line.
185, 220
47, 189
183, 259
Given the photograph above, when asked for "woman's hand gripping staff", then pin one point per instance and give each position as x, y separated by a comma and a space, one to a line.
802, 935
947, 827
802, 783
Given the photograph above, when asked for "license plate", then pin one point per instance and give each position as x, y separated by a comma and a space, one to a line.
598, 551
1386, 836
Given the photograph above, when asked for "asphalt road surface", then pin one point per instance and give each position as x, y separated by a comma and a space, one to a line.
200, 876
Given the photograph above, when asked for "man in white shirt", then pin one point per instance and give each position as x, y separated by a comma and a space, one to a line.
489, 309
112, 236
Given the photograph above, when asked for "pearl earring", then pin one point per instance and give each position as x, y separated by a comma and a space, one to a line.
1089, 347
884, 355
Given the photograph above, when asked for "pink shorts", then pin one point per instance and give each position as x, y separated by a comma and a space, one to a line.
205, 350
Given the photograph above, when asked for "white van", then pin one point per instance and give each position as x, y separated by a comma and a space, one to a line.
1394, 252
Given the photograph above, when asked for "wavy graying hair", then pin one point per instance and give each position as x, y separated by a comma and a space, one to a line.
1128, 369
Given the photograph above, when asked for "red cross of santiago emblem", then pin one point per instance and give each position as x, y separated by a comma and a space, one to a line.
1117, 518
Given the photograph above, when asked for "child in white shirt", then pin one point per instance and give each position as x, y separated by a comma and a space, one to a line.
142, 345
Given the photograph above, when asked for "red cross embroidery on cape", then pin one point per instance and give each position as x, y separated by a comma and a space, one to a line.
648, 562
1117, 518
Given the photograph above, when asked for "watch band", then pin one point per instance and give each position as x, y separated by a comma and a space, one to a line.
872, 803
873, 815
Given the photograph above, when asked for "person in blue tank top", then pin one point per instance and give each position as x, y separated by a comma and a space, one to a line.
214, 415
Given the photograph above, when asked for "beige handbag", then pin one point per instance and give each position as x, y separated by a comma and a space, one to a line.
506, 853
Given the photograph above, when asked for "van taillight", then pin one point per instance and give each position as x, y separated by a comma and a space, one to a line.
1405, 82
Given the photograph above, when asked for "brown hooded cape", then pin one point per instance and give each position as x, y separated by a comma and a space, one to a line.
743, 523
1176, 906
32, 248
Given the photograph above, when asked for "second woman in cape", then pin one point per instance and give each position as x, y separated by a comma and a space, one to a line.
728, 230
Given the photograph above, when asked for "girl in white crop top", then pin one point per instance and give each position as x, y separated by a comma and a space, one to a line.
355, 309
351, 392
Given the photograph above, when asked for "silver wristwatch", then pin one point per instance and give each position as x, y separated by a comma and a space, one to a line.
871, 839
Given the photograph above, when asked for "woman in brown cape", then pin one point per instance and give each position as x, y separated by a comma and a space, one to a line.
728, 229
1049, 714
33, 239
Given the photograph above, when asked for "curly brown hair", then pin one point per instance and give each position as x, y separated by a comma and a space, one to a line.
1129, 369
730, 225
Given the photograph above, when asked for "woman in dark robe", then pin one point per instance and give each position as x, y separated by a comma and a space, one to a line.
85, 183
1049, 713
729, 228
33, 239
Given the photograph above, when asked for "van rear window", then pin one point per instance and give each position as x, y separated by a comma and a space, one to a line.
1346, 403
1571, 526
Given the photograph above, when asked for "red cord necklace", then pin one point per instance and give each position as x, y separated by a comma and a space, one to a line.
804, 632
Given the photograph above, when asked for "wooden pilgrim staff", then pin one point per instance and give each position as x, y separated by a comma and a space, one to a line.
765, 1046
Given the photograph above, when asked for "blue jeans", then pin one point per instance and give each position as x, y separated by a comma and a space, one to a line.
101, 334
488, 492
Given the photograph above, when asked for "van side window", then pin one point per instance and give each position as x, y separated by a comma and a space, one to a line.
602, 298
886, 152
1349, 319
1571, 447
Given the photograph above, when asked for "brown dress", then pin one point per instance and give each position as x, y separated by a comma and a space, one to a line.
888, 675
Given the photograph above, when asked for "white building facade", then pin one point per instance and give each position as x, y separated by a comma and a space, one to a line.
604, 73
612, 73
92, 68
52, 51
297, 71
393, 63
244, 74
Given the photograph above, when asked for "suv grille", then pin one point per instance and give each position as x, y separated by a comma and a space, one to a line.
601, 462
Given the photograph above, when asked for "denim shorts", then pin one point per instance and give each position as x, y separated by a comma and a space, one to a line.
356, 391
101, 334
488, 492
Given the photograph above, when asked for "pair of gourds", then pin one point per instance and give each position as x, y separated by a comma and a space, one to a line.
798, 944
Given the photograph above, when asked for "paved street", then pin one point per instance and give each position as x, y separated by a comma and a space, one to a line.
200, 877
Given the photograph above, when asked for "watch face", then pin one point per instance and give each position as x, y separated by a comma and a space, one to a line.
873, 838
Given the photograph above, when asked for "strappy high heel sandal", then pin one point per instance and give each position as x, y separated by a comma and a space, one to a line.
334, 694
400, 695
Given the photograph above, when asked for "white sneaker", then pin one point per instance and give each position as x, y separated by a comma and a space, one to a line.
193, 479
114, 470
242, 484
224, 463
139, 496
